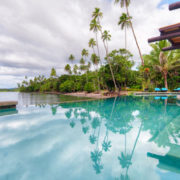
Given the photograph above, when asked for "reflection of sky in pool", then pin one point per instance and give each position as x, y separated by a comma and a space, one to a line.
123, 138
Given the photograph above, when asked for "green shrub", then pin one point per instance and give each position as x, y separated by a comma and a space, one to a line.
89, 87
46, 87
67, 86
78, 86
55, 85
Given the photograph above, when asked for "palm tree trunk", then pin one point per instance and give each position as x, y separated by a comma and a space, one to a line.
142, 61
116, 89
97, 77
86, 77
97, 44
125, 38
165, 80
98, 80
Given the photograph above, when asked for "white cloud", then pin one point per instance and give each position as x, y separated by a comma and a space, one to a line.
37, 35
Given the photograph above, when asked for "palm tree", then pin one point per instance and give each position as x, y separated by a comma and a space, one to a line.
95, 60
95, 27
75, 69
124, 21
167, 63
85, 53
125, 3
71, 57
89, 65
92, 43
107, 37
97, 14
82, 64
170, 64
67, 68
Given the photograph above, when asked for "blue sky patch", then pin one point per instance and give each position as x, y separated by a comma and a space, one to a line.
167, 2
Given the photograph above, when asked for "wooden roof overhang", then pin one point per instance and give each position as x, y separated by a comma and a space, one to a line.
174, 6
171, 33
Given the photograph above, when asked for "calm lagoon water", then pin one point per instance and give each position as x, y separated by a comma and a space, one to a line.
124, 138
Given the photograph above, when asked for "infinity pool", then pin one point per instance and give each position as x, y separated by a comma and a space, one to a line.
124, 138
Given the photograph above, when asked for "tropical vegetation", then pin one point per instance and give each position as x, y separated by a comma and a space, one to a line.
116, 70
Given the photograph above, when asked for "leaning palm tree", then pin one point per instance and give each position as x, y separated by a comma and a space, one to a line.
125, 3
167, 63
124, 21
107, 37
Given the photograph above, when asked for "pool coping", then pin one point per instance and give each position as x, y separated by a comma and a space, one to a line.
157, 93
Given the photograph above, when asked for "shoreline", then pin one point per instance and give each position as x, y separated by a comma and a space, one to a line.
97, 95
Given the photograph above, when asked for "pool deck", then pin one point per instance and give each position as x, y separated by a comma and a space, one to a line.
157, 94
8, 104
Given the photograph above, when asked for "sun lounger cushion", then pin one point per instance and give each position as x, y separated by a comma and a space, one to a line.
157, 89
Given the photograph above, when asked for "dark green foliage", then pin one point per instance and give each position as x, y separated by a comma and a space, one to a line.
122, 65
89, 87
67, 86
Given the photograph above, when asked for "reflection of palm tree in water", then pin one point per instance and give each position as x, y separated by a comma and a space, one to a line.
93, 138
68, 115
97, 154
106, 143
126, 159
54, 109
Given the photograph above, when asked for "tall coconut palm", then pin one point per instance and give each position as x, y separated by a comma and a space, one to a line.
67, 68
82, 61
107, 37
97, 13
124, 21
82, 64
71, 57
92, 44
85, 53
95, 27
75, 69
125, 3
167, 63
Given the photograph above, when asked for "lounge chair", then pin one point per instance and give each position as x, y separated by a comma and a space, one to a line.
157, 89
177, 90
164, 89
157, 97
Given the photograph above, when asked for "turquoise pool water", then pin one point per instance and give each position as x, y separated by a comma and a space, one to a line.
125, 138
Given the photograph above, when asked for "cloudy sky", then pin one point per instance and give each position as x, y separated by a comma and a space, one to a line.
36, 35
